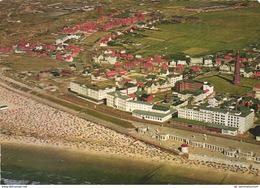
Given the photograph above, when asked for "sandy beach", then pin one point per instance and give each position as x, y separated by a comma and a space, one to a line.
27, 121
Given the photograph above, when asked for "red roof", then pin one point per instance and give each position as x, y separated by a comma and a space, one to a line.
132, 95
257, 86
130, 56
256, 75
140, 84
196, 68
179, 66
184, 145
117, 65
164, 66
218, 61
122, 72
228, 57
111, 73
147, 65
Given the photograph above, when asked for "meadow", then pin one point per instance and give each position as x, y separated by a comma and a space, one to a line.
221, 30
223, 84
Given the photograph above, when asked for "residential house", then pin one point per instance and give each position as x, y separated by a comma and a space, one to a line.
163, 85
225, 68
207, 62
182, 62
247, 73
111, 59
196, 61
218, 62
147, 98
151, 87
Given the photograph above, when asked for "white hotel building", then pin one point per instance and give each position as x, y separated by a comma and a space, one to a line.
139, 109
236, 119
90, 91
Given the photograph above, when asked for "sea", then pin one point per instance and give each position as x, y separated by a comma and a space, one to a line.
33, 165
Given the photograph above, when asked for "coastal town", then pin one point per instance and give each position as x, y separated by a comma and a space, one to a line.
93, 86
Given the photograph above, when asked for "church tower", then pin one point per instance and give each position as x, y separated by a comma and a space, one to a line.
236, 77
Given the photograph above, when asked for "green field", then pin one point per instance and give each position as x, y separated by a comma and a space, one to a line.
220, 30
223, 84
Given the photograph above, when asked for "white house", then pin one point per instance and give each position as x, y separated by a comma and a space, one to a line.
111, 59
182, 62
224, 68
172, 79
208, 62
196, 61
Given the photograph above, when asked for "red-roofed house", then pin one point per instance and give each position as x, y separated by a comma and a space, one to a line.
149, 66
118, 65
122, 72
66, 72
179, 68
132, 95
164, 66
111, 74
59, 57
130, 65
5, 50
229, 57
140, 84
44, 55
196, 68
255, 75
130, 56
218, 62
147, 98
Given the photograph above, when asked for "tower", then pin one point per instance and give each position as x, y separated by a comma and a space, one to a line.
236, 77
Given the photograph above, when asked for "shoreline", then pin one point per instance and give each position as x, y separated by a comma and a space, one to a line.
190, 170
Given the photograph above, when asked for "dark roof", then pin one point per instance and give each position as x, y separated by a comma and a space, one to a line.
160, 107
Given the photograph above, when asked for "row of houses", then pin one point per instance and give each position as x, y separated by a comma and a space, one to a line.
63, 52
245, 72
211, 8
113, 23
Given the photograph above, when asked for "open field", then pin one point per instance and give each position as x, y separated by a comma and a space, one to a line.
219, 31
27, 63
223, 84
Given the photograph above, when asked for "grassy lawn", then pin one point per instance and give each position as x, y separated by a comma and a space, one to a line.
223, 84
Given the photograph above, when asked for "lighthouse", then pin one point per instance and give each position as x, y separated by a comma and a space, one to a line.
236, 77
